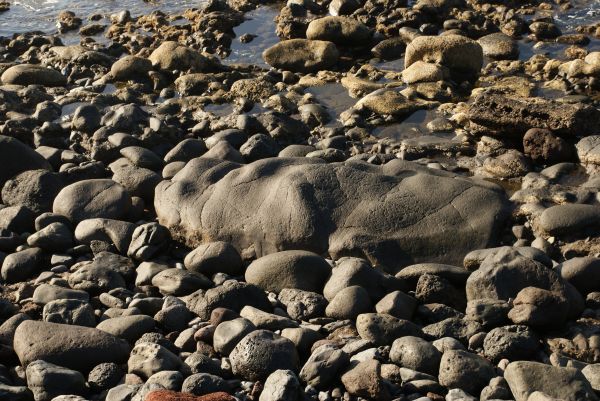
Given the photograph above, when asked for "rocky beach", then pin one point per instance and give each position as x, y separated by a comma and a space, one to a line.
345, 200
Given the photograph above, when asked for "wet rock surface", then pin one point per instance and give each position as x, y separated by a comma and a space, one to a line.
336, 200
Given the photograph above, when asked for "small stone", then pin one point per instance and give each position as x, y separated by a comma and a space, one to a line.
29, 74
229, 333
281, 385
499, 46
204, 383
510, 342
147, 359
339, 30
383, 329
544, 147
324, 366
267, 321
461, 369
47, 380
179, 282
147, 240
302, 305
130, 328
105, 376
415, 353
397, 304
570, 219
538, 307
54, 237
92, 199
20, 266
583, 273
69, 311
364, 380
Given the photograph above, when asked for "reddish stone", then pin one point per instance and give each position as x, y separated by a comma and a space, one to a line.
166, 395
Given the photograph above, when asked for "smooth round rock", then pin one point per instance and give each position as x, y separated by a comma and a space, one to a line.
570, 219
349, 303
88, 199
289, 269
29, 74
214, 257
499, 46
583, 273
229, 333
129, 328
416, 354
64, 345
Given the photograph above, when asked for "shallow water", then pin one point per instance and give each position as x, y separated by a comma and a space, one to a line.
333, 96
583, 12
413, 126
40, 15
259, 22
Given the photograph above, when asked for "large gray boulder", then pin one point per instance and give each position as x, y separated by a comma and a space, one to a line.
338, 208
75, 347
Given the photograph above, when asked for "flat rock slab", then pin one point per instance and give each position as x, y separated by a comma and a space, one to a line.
569, 384
511, 116
394, 215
